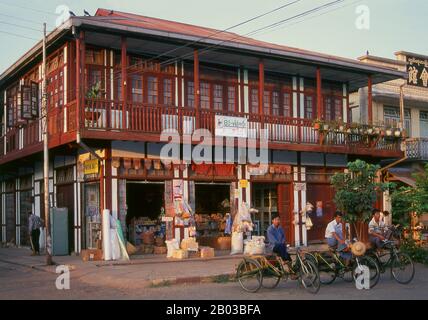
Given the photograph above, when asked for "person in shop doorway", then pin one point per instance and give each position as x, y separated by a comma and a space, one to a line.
34, 225
276, 238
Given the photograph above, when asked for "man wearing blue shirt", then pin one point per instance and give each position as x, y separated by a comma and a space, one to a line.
276, 238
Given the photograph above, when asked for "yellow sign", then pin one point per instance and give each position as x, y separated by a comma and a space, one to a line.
91, 166
243, 183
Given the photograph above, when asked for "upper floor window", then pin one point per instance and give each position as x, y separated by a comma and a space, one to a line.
218, 97
152, 90
231, 98
205, 95
254, 101
392, 117
190, 94
286, 104
137, 88
423, 116
167, 91
266, 102
309, 107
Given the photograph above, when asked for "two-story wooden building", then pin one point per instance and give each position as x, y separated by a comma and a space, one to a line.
116, 81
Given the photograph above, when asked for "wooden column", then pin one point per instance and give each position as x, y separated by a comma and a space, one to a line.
124, 80
80, 70
369, 101
261, 91
196, 86
320, 113
108, 179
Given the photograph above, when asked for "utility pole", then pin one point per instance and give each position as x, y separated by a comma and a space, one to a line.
48, 243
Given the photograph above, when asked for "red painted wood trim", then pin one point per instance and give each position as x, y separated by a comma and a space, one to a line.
261, 85
196, 85
369, 100
79, 72
124, 79
180, 84
320, 113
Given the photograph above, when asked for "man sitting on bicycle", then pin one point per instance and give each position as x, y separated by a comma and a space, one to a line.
376, 230
335, 238
276, 238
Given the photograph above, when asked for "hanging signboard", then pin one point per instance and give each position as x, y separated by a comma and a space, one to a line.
226, 126
91, 166
299, 186
418, 71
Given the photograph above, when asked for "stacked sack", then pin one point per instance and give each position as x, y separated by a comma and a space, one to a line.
254, 246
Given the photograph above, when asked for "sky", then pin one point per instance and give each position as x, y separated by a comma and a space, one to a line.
348, 28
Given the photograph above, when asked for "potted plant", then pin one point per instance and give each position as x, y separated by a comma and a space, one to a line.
318, 124
93, 93
397, 133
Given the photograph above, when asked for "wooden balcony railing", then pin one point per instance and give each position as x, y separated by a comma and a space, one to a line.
417, 148
113, 115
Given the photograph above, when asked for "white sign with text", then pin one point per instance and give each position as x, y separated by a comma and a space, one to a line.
226, 126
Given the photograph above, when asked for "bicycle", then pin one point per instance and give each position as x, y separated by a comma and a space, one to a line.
330, 266
253, 272
400, 263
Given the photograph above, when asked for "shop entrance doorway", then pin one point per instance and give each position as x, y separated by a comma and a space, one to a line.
212, 198
272, 199
65, 199
144, 203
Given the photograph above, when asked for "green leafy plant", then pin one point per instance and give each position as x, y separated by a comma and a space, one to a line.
408, 200
415, 251
356, 192
95, 91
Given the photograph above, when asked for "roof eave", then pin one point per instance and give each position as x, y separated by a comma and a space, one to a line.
34, 52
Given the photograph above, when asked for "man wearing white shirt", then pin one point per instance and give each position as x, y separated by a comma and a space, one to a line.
376, 230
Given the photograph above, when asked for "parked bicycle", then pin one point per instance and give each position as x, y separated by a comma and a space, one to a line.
400, 263
253, 272
331, 265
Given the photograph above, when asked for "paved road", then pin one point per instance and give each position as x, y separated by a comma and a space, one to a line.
22, 283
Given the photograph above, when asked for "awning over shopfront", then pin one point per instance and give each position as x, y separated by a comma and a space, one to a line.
403, 175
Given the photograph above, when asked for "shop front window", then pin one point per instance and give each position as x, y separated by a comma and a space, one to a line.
92, 216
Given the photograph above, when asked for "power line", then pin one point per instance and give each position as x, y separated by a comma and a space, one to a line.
20, 19
220, 31
212, 47
18, 35
20, 26
305, 13
27, 8
316, 16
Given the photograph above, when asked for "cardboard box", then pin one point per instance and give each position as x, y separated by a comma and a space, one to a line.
91, 255
207, 252
160, 250
180, 254
189, 244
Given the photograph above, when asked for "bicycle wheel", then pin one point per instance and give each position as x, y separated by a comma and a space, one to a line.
249, 275
270, 279
402, 268
371, 263
309, 277
326, 268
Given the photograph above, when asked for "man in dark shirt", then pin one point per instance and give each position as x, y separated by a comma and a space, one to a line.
276, 238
